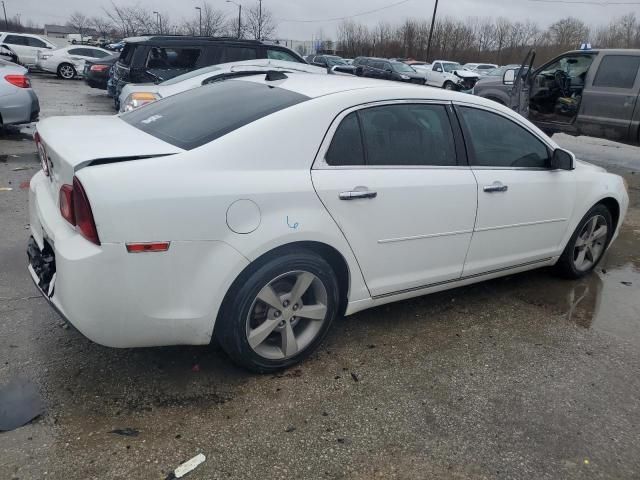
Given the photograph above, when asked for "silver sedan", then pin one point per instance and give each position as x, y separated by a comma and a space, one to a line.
18, 102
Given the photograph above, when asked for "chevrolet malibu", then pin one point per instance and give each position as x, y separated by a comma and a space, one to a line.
256, 210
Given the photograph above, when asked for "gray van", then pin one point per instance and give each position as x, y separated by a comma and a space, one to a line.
582, 92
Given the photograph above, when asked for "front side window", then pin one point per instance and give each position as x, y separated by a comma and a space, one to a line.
617, 71
162, 58
451, 67
496, 141
274, 54
36, 42
201, 115
15, 40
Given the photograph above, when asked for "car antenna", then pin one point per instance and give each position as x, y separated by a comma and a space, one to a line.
273, 75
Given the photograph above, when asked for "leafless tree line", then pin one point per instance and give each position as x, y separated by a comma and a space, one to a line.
498, 40
126, 20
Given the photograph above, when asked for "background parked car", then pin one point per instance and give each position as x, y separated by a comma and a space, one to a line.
481, 68
332, 61
96, 72
116, 47
133, 96
26, 46
68, 62
159, 58
18, 102
391, 70
451, 76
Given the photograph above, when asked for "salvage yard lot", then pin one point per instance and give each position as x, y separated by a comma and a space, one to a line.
528, 376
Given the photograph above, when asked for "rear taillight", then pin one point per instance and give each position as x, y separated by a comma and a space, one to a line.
66, 204
99, 68
21, 81
75, 208
42, 153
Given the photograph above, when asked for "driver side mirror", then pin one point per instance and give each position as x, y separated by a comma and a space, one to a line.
509, 77
562, 160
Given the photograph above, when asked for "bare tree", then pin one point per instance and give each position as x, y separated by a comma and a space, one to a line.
101, 25
214, 23
131, 20
568, 32
259, 23
79, 22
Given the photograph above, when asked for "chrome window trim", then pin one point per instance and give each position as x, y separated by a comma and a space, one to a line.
320, 162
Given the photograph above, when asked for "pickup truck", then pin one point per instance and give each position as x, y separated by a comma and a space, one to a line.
581, 92
450, 76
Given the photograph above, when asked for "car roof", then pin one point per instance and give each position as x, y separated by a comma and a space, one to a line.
179, 39
616, 51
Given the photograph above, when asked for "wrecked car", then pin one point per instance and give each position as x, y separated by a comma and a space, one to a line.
450, 76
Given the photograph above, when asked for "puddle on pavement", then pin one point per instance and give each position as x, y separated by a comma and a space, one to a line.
20, 403
607, 300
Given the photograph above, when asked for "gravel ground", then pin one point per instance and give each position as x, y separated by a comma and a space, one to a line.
527, 376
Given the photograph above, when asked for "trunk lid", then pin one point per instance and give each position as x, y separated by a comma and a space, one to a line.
75, 142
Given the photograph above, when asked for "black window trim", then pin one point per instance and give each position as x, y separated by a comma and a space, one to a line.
320, 162
469, 148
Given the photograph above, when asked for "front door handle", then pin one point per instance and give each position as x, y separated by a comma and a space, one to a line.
495, 187
356, 194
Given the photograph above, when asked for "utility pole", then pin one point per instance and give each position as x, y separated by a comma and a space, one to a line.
433, 22
239, 16
200, 12
159, 21
6, 22
259, 19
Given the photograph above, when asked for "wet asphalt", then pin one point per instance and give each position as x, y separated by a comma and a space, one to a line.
528, 376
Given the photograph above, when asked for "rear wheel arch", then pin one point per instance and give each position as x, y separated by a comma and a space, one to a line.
330, 254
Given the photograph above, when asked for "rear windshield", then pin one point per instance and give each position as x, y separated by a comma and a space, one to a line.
195, 117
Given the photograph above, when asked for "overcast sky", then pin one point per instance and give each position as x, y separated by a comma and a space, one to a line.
57, 11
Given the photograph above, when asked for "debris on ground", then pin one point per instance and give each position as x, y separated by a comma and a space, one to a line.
290, 428
355, 376
18, 169
628, 284
186, 467
20, 403
126, 432
5, 189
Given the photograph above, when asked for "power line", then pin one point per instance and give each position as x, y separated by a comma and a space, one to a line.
336, 19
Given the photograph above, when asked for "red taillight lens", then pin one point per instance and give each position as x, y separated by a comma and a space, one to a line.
99, 68
42, 153
83, 215
20, 81
66, 204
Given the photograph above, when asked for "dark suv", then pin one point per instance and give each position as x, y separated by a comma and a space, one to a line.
388, 70
158, 58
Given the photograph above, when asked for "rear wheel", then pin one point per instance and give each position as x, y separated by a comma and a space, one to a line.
278, 312
66, 71
587, 244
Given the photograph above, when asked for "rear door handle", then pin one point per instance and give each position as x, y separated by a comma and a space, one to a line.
357, 194
495, 187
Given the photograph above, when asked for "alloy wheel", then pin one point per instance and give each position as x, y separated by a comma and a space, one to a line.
287, 315
67, 72
590, 243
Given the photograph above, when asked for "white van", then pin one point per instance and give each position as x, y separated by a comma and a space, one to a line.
26, 46
77, 38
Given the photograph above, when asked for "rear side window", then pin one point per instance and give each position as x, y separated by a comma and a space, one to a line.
617, 71
172, 58
97, 53
195, 117
346, 146
35, 42
237, 54
15, 40
77, 51
127, 54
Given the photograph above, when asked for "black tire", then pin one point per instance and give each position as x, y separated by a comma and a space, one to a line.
449, 85
231, 330
566, 265
63, 68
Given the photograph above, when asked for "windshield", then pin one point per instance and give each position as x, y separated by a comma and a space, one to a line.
402, 67
193, 73
450, 67
201, 115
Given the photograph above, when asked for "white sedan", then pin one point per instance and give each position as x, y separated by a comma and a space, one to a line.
135, 95
68, 62
257, 210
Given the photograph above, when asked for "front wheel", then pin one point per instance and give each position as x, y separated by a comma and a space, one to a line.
66, 71
278, 312
587, 244
448, 85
